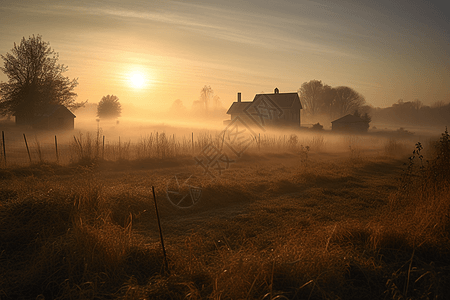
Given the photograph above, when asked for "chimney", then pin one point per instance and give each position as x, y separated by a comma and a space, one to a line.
239, 97
276, 91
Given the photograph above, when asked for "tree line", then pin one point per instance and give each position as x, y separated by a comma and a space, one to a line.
321, 101
413, 113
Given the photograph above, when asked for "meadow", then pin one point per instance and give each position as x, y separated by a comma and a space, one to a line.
304, 215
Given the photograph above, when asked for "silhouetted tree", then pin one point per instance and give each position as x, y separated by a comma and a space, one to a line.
35, 80
346, 101
328, 96
366, 118
310, 95
205, 96
417, 104
178, 108
109, 107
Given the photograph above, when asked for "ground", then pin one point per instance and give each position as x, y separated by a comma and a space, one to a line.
292, 223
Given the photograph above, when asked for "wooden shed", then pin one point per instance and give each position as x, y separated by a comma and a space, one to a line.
350, 123
50, 117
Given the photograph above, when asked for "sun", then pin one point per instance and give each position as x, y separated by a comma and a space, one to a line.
137, 80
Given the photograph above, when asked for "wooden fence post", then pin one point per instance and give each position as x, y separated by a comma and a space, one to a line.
56, 150
4, 147
160, 232
26, 144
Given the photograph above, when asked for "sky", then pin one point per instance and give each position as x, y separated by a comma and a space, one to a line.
385, 50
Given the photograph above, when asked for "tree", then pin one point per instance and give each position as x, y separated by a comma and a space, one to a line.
311, 96
205, 96
109, 107
346, 101
35, 79
178, 108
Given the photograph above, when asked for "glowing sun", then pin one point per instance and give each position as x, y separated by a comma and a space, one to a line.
137, 80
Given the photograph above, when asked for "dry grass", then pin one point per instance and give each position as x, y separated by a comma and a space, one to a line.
274, 226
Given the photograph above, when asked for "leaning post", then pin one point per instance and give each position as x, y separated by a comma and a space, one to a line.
166, 265
56, 150
4, 147
26, 145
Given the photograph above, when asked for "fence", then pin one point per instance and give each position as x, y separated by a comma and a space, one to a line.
19, 149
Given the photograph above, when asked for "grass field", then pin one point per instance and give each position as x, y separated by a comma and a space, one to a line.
347, 218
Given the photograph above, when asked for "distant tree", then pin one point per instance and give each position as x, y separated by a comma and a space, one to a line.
206, 95
217, 103
310, 95
34, 79
417, 104
208, 105
366, 118
328, 96
178, 107
346, 101
109, 107
439, 104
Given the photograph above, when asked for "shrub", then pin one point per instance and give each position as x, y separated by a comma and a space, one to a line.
317, 126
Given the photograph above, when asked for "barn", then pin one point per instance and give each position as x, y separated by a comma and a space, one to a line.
350, 123
273, 110
50, 117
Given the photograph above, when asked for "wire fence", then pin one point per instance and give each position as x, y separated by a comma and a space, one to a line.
21, 149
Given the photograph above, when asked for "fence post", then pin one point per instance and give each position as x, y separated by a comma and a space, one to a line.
56, 150
103, 148
26, 144
160, 232
120, 153
4, 147
193, 150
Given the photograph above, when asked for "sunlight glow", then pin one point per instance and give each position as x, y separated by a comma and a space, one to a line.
137, 80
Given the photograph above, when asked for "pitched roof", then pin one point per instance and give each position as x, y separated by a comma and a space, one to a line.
238, 107
52, 109
349, 119
282, 100
49, 110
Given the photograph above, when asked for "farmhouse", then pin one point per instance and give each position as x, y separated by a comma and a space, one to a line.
273, 110
350, 123
51, 117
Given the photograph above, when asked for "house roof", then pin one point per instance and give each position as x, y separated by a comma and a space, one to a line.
282, 100
349, 119
52, 109
238, 107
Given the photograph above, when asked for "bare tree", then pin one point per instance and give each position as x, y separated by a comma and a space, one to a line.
34, 79
417, 104
205, 96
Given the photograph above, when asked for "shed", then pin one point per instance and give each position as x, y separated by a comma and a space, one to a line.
52, 116
350, 123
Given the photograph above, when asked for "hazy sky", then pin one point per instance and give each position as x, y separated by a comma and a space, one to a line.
386, 50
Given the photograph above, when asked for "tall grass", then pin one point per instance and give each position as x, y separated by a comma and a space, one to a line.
81, 239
